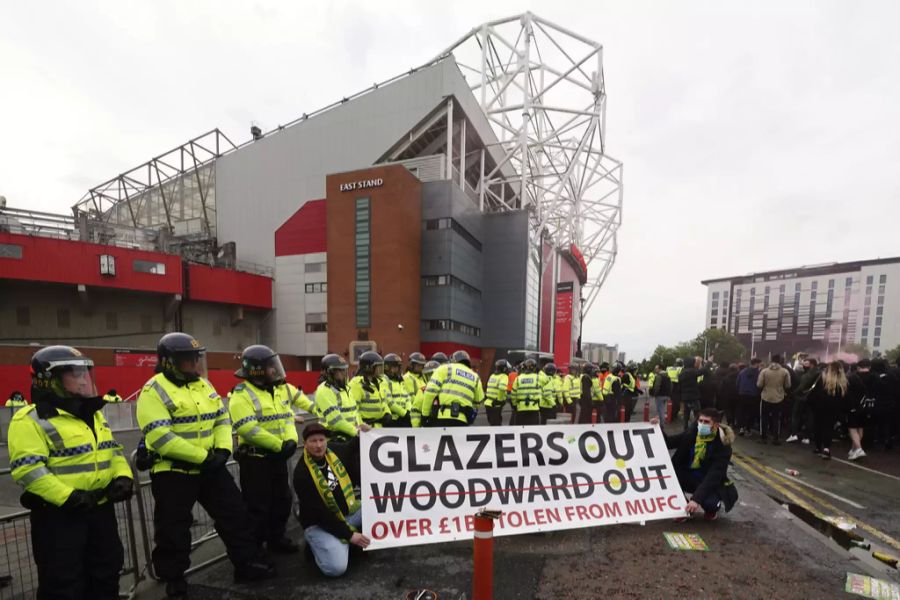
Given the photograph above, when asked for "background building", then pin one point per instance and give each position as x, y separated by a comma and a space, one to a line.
818, 309
419, 214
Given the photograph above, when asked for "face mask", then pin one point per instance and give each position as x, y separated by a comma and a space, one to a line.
704, 429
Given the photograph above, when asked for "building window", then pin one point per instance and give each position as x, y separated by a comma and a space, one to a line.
715, 296
451, 325
363, 274
876, 343
315, 267
149, 266
451, 280
316, 317
848, 282
870, 280
11, 251
446, 223
865, 332
316, 327
23, 316
63, 318
316, 288
882, 279
112, 321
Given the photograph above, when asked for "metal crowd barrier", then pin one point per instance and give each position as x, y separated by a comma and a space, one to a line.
121, 416
17, 557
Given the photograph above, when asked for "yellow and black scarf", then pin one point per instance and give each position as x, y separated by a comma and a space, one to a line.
318, 477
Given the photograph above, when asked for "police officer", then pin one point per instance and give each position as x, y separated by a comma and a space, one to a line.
496, 392
630, 390
591, 397
262, 416
457, 390
547, 382
16, 400
395, 392
673, 372
334, 405
186, 425
414, 378
62, 452
440, 358
415, 412
526, 394
573, 388
366, 393
112, 396
612, 391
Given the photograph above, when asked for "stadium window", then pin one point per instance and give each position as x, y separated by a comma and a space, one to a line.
11, 251
882, 279
148, 266
315, 267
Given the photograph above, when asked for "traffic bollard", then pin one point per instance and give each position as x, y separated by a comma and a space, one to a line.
646, 410
669, 411
621, 414
483, 555
593, 416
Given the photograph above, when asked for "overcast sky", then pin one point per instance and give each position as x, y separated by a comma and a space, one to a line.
755, 135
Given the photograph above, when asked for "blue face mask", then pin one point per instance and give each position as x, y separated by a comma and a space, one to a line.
704, 429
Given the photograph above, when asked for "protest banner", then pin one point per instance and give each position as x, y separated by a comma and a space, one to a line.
422, 486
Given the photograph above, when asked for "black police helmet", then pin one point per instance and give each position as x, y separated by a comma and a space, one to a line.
174, 347
368, 361
550, 369
416, 358
529, 365
430, 367
48, 366
502, 366
461, 356
439, 357
255, 361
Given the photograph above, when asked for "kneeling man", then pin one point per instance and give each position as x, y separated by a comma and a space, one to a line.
328, 508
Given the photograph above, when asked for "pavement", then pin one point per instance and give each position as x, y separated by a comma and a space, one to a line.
772, 545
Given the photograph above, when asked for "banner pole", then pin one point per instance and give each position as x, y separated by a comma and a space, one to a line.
483, 556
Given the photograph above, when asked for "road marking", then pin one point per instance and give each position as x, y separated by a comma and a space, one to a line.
853, 464
818, 489
828, 506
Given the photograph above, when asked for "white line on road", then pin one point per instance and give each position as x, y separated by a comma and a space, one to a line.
853, 464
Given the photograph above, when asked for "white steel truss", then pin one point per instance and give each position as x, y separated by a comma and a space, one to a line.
542, 89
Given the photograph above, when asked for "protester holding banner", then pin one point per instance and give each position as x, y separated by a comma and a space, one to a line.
328, 508
458, 391
496, 392
701, 459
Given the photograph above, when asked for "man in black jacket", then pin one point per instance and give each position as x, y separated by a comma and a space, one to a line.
689, 378
702, 455
328, 508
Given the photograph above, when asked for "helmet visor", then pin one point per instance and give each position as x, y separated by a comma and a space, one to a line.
191, 365
275, 374
74, 378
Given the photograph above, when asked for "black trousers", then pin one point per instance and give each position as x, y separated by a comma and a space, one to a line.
585, 407
691, 409
267, 494
528, 417
610, 410
494, 416
77, 556
823, 412
547, 413
748, 411
175, 495
770, 419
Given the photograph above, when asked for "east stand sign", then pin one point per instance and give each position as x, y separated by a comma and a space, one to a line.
422, 486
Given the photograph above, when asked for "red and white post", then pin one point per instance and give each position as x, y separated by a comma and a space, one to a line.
483, 556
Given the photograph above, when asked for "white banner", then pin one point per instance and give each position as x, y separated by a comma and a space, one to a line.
422, 486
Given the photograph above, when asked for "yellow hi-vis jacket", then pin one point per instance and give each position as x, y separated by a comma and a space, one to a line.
673, 373
572, 386
415, 413
561, 388
396, 396
526, 392
337, 409
414, 383
650, 380
52, 457
596, 388
495, 397
609, 386
548, 390
453, 383
112, 398
261, 419
299, 400
182, 423
369, 402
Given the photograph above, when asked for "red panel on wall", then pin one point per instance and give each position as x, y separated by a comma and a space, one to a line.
562, 335
66, 261
304, 232
225, 286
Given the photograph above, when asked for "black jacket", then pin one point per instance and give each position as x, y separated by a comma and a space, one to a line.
311, 508
662, 385
715, 463
690, 387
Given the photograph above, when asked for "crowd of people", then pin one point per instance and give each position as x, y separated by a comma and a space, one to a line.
811, 403
73, 471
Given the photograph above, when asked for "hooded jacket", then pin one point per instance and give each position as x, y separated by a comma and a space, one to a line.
746, 382
774, 382
690, 386
714, 464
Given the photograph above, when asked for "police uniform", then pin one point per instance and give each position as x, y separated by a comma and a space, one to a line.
458, 392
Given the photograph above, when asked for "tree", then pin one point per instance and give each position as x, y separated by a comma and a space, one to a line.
719, 344
860, 350
893, 355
